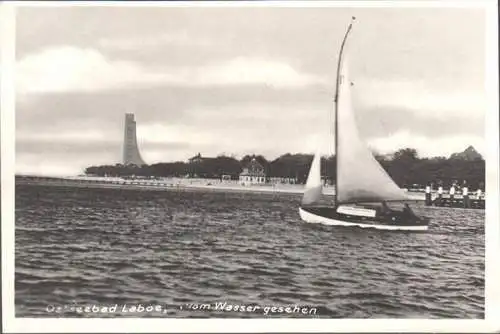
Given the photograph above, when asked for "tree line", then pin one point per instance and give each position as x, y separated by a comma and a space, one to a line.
404, 166
294, 166
407, 169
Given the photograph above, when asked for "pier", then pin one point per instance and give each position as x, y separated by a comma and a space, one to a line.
455, 199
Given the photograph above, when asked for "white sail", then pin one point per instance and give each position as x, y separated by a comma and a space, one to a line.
360, 178
314, 186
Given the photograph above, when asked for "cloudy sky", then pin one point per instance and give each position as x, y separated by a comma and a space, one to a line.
241, 80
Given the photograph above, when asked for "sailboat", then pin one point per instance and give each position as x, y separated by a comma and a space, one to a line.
362, 186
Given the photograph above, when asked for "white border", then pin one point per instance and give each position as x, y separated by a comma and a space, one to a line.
7, 122
279, 3
492, 227
492, 288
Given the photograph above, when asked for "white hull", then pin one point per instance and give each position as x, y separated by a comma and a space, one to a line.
312, 218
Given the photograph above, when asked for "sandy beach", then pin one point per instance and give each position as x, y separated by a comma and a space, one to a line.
163, 185
176, 184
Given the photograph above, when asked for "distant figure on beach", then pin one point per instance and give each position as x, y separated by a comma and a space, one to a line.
452, 192
465, 194
479, 193
428, 195
440, 194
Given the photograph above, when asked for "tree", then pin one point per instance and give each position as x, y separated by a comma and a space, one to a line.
405, 168
405, 154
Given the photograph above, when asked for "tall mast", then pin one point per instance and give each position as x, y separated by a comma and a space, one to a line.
339, 78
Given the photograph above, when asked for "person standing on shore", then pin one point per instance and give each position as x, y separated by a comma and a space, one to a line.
479, 193
452, 193
465, 194
440, 194
428, 195
481, 190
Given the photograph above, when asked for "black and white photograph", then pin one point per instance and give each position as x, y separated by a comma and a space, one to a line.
281, 160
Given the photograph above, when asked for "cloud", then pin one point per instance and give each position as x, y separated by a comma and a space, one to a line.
89, 136
378, 121
67, 68
69, 153
263, 131
430, 98
426, 146
32, 165
155, 41
70, 69
230, 129
232, 80
174, 123
252, 71
266, 109
150, 139
60, 158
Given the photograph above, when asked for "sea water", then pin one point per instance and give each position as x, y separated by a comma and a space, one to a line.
137, 253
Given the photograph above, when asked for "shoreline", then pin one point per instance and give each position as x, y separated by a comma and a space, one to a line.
164, 186
177, 185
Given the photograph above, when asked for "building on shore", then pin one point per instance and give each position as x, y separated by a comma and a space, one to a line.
195, 166
253, 173
131, 155
282, 180
197, 159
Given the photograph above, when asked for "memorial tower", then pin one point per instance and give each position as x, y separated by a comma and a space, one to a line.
131, 155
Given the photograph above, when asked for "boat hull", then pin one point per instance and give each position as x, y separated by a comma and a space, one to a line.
334, 219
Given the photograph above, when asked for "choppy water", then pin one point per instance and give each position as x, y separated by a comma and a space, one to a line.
186, 250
